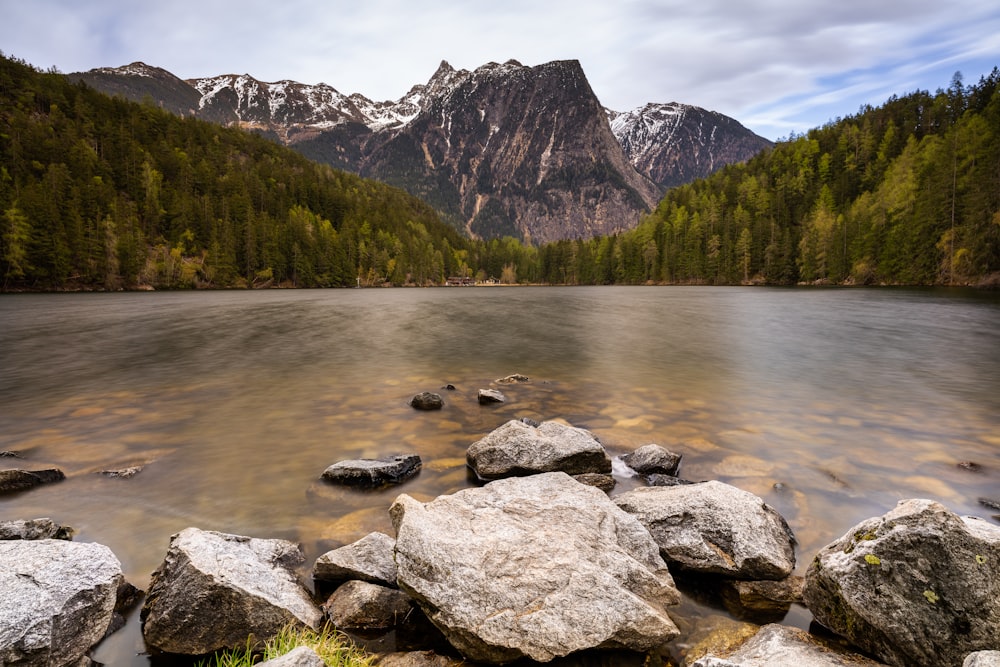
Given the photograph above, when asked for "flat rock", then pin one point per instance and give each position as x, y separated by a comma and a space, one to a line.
537, 567
34, 529
490, 396
371, 559
12, 481
782, 645
427, 400
653, 460
517, 449
214, 589
916, 586
360, 605
374, 472
515, 378
714, 528
58, 600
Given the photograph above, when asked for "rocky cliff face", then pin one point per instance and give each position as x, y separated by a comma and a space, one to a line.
504, 149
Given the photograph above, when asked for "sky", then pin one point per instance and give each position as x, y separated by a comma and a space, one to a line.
780, 67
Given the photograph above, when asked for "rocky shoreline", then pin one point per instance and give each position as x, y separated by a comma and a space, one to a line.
537, 563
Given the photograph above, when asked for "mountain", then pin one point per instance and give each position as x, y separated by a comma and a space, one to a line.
504, 149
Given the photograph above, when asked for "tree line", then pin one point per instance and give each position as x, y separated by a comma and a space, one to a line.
100, 193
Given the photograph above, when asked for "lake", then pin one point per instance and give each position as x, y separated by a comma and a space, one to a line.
831, 404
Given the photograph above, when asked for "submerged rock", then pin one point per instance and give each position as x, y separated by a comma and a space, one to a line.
58, 600
517, 448
916, 586
371, 559
374, 472
537, 567
715, 528
427, 401
214, 589
12, 481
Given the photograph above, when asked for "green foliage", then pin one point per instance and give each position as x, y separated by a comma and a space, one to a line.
335, 649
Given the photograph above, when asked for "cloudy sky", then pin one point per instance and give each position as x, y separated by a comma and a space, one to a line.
777, 66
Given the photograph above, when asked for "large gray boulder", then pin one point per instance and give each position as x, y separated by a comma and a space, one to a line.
781, 645
917, 586
213, 590
57, 600
371, 559
715, 528
517, 448
539, 566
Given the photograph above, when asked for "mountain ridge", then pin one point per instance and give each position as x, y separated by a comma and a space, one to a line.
622, 162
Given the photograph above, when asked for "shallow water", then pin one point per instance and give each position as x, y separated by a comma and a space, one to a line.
235, 402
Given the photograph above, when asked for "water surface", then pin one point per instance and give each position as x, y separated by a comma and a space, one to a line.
831, 404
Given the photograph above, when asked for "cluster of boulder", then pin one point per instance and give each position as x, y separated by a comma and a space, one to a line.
537, 563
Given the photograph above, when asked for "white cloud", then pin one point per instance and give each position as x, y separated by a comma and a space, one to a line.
775, 66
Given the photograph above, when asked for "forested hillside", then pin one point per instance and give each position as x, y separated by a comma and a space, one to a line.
906, 193
98, 192
101, 193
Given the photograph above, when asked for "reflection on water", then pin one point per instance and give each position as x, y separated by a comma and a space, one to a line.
235, 402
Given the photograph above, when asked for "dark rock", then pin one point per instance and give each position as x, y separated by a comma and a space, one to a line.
34, 529
374, 472
783, 645
714, 528
605, 483
530, 422
360, 605
761, 599
449, 387
653, 460
371, 559
516, 449
916, 586
971, 466
665, 480
12, 481
516, 378
539, 566
417, 659
427, 400
58, 599
489, 396
10, 454
213, 590
990, 503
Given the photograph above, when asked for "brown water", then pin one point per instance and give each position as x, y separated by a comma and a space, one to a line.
235, 402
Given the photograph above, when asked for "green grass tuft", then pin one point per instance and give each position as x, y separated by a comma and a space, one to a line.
332, 646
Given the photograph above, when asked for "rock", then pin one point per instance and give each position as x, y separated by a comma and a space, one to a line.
490, 396
301, 656
990, 503
516, 378
762, 599
58, 600
516, 448
417, 659
605, 483
665, 480
374, 472
358, 605
123, 473
213, 590
713, 635
450, 387
653, 459
12, 481
371, 559
34, 529
539, 566
714, 528
982, 659
916, 586
782, 645
427, 400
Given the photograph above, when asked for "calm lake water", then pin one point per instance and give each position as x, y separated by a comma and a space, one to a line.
235, 402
